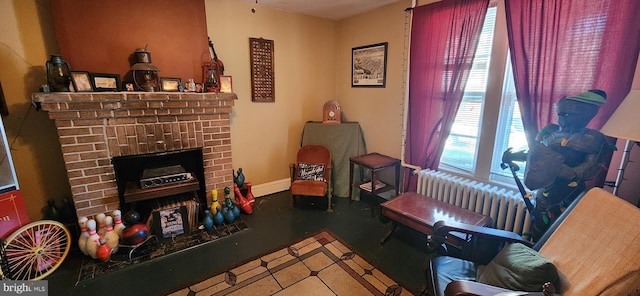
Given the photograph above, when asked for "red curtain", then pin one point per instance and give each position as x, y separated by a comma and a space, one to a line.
566, 47
444, 37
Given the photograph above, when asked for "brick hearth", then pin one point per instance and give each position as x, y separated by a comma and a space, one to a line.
94, 127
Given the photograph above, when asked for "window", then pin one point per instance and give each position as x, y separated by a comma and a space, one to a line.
510, 131
463, 151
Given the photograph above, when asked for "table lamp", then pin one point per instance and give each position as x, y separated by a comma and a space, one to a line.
623, 124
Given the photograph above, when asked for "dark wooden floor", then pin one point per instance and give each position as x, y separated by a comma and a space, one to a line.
274, 224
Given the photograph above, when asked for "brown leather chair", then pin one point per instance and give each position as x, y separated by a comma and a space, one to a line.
594, 245
311, 173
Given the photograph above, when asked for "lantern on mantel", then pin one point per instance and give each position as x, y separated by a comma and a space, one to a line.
58, 73
211, 76
212, 68
145, 74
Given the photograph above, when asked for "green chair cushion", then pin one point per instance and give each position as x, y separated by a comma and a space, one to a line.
518, 267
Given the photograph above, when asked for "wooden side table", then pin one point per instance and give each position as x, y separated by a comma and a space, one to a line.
375, 162
421, 213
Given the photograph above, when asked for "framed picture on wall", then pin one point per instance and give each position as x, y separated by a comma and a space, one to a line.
261, 53
369, 65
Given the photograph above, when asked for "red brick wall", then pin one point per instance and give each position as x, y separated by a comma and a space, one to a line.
94, 127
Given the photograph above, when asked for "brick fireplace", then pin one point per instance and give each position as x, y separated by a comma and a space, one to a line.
95, 127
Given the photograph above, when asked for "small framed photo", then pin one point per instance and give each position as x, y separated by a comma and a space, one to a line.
105, 82
170, 84
369, 65
81, 81
226, 85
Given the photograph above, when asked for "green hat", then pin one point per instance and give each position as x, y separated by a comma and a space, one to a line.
593, 96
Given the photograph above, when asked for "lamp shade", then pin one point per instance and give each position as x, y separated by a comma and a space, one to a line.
625, 121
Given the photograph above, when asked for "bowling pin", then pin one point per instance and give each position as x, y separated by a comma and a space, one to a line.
117, 218
101, 229
111, 238
214, 202
84, 235
250, 197
94, 239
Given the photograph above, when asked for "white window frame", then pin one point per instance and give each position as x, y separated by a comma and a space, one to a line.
490, 116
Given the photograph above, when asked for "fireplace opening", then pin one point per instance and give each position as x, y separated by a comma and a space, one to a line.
151, 182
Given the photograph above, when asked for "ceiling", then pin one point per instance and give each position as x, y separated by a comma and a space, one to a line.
330, 9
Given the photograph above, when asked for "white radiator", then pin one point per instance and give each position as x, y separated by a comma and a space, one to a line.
505, 207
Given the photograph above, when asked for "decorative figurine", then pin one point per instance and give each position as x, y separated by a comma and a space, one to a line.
214, 202
249, 196
218, 218
564, 156
227, 207
229, 217
208, 220
236, 211
239, 178
241, 201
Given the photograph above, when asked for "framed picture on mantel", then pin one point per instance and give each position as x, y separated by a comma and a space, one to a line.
170, 84
81, 81
226, 85
105, 82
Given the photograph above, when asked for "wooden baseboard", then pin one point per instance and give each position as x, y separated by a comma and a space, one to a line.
271, 187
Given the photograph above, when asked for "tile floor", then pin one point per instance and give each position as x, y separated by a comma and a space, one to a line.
274, 224
319, 265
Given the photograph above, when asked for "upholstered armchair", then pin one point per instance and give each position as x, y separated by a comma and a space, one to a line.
311, 173
592, 249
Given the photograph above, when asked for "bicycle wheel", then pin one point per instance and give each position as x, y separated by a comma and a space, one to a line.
35, 250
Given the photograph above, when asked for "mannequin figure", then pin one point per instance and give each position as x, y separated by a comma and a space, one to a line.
563, 157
